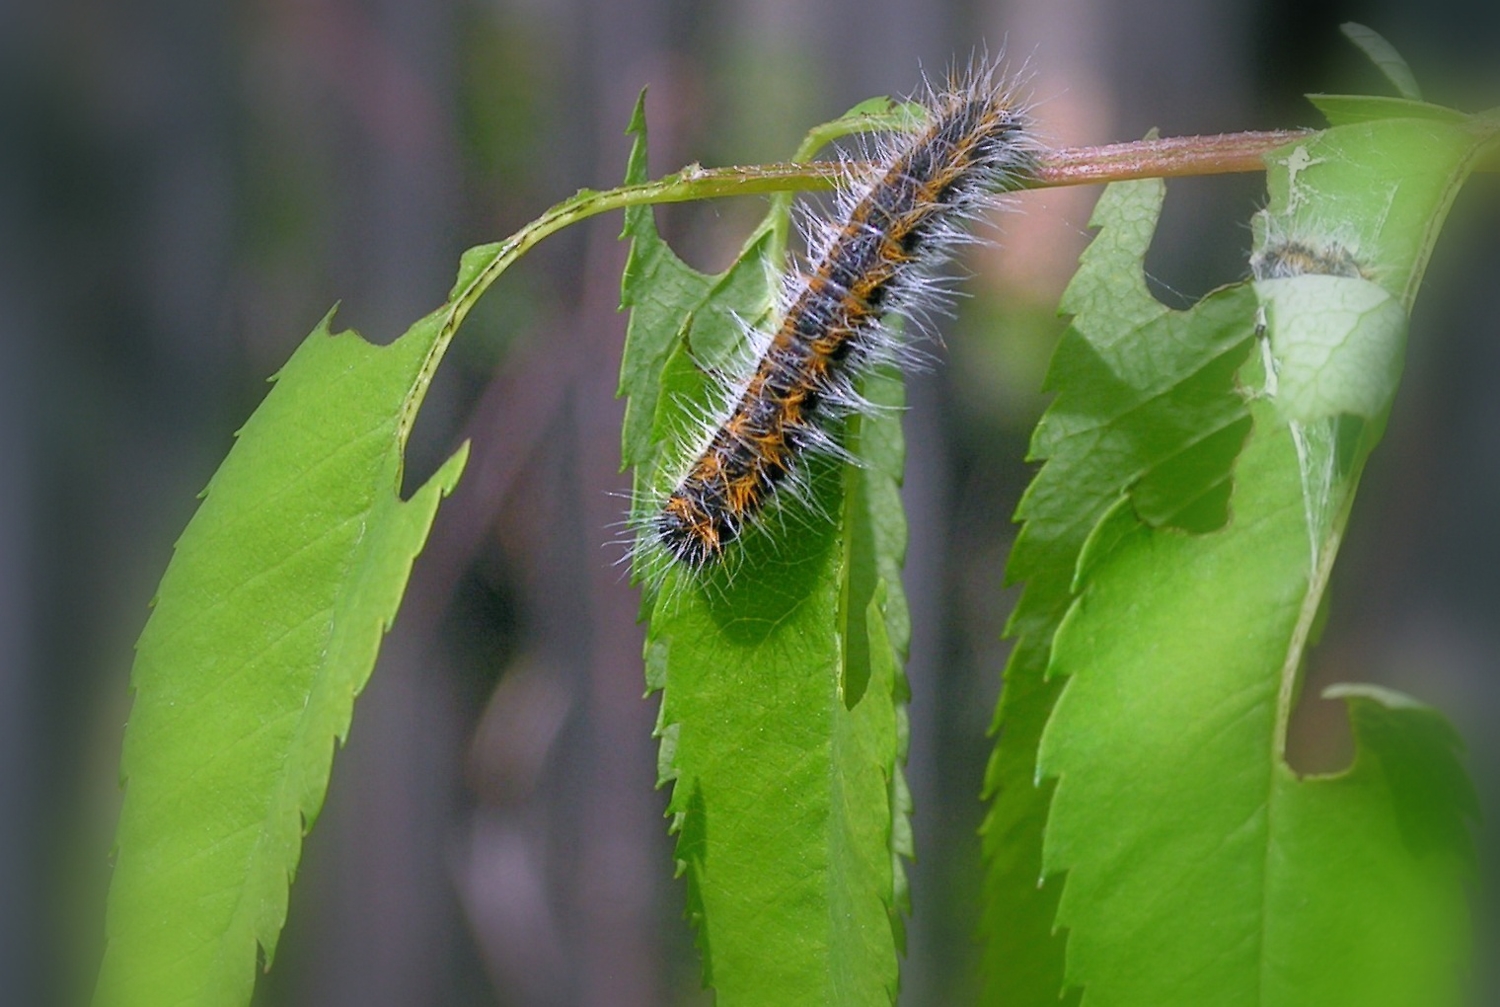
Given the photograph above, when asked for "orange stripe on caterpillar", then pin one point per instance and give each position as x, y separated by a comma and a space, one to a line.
894, 231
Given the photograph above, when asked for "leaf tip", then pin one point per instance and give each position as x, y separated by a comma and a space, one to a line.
637, 125
1385, 57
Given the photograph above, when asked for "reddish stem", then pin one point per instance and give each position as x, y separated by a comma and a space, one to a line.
1171, 157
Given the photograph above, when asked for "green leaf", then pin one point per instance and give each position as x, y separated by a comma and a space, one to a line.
1346, 109
1384, 56
265, 628
1148, 421
1198, 867
1339, 343
1379, 189
1418, 751
782, 722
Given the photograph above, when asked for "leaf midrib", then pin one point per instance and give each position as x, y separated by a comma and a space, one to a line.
1286, 692
281, 800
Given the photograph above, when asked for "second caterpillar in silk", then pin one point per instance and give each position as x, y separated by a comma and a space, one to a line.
895, 226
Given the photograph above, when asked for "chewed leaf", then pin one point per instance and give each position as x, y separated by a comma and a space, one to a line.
1146, 427
1370, 187
1197, 869
265, 628
1196, 866
1418, 752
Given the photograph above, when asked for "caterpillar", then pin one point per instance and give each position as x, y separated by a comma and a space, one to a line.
1285, 258
894, 225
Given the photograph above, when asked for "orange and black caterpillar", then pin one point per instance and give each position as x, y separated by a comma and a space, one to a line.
879, 255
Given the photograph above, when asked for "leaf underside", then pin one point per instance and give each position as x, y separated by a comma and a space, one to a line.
264, 629
1186, 862
782, 722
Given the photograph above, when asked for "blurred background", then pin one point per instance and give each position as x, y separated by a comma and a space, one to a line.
185, 188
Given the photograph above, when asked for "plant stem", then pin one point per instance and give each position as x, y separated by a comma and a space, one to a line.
1172, 157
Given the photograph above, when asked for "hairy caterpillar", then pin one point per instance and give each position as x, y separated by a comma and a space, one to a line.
893, 227
1286, 258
